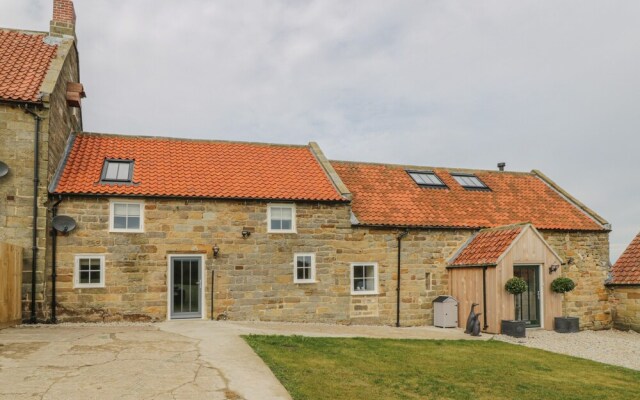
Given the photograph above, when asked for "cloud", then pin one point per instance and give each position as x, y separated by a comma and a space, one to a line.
538, 84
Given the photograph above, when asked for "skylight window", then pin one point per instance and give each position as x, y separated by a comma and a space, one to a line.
469, 181
117, 171
426, 178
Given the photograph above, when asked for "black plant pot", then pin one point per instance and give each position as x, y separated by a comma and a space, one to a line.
513, 328
566, 324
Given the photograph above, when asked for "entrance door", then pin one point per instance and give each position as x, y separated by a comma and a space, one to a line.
186, 284
528, 303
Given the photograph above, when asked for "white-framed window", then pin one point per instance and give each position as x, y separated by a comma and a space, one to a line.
304, 268
364, 278
88, 271
126, 216
281, 218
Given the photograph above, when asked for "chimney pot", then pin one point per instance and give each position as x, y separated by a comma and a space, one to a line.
501, 166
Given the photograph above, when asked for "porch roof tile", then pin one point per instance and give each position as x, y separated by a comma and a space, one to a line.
487, 246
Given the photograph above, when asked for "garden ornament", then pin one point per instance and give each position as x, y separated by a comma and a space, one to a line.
472, 314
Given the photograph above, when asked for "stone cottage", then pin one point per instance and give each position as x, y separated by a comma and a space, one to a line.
624, 285
176, 228
40, 99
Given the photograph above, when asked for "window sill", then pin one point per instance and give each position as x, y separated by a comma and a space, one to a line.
94, 286
125, 231
363, 293
304, 282
270, 231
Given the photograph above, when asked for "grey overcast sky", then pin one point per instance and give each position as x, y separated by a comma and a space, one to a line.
551, 85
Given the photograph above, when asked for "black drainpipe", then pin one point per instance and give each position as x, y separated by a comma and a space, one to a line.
54, 243
213, 274
400, 236
36, 181
484, 296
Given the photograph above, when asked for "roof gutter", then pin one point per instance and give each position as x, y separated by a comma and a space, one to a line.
623, 284
201, 198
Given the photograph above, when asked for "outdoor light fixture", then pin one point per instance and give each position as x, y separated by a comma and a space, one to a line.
554, 267
246, 233
216, 250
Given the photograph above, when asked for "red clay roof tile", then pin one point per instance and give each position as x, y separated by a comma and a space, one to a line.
487, 246
387, 195
24, 62
627, 269
195, 168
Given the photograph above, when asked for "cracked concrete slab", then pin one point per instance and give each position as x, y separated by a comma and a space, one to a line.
105, 362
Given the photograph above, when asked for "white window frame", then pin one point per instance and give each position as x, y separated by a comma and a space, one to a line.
293, 217
112, 204
375, 276
76, 272
295, 268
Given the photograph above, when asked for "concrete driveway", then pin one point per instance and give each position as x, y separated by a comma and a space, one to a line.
169, 360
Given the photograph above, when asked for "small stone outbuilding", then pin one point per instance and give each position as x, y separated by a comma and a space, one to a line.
624, 285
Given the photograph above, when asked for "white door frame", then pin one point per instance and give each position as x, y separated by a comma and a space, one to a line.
203, 283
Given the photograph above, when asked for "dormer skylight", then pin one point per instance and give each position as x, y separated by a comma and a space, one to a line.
426, 179
117, 171
469, 181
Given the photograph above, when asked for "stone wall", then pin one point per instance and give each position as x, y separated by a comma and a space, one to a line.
589, 300
62, 121
254, 275
625, 301
16, 191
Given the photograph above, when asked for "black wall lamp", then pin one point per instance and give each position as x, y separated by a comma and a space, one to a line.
246, 233
216, 251
554, 267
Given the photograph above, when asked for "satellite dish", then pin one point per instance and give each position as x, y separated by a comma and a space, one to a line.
63, 223
4, 169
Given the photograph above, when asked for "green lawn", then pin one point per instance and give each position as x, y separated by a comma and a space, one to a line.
361, 368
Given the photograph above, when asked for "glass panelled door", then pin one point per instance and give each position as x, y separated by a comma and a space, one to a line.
186, 284
528, 303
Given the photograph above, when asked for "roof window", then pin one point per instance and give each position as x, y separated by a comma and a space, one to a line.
426, 178
117, 171
469, 181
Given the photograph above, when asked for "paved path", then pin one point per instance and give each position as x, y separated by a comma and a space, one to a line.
169, 360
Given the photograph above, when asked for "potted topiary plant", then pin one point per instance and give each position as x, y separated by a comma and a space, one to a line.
516, 328
564, 324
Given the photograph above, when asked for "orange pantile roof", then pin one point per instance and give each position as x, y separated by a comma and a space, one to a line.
487, 246
196, 168
387, 195
627, 269
24, 62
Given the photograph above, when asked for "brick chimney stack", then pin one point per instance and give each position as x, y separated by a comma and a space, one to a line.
64, 19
